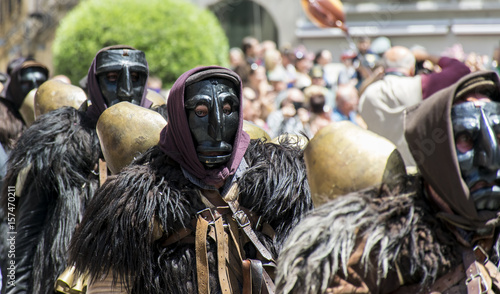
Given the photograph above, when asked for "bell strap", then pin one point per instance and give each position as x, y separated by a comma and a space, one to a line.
243, 222
201, 255
103, 172
222, 253
478, 280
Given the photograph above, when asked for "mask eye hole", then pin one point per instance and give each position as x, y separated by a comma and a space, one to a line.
134, 76
112, 76
464, 142
227, 109
201, 110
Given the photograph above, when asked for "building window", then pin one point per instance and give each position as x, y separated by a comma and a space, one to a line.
244, 18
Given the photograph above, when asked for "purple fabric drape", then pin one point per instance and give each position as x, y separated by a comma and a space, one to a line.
176, 140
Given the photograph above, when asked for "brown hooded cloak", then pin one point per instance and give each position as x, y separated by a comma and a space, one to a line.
429, 133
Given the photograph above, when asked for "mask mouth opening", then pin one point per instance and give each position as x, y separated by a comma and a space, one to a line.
213, 160
214, 155
487, 197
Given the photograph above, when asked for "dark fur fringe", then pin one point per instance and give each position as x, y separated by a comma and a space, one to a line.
398, 227
63, 153
275, 186
115, 234
117, 230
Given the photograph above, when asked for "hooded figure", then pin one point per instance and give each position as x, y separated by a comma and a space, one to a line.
54, 172
24, 75
437, 233
126, 86
168, 223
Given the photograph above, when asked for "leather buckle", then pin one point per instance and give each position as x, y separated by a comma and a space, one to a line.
207, 213
483, 281
241, 218
479, 249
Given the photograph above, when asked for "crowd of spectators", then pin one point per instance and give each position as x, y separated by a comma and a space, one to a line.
295, 90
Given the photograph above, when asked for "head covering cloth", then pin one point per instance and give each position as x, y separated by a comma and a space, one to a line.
176, 140
430, 137
94, 91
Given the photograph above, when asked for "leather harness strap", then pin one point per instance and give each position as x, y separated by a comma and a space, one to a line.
257, 272
477, 278
222, 252
244, 223
103, 171
201, 255
222, 224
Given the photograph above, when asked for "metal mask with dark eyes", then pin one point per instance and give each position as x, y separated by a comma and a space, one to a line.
122, 75
476, 127
212, 108
31, 78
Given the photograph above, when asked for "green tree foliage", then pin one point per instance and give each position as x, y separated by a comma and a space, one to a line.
175, 35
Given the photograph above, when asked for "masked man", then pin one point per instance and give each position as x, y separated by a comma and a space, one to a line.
25, 75
54, 169
438, 234
204, 211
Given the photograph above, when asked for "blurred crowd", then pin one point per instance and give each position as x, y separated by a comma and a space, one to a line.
295, 90
375, 86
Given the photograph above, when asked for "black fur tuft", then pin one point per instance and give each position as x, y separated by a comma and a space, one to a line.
398, 229
60, 154
116, 232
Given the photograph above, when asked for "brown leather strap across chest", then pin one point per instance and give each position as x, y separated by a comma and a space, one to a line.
230, 227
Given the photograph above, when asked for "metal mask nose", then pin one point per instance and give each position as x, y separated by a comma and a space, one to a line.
488, 155
34, 83
125, 84
216, 117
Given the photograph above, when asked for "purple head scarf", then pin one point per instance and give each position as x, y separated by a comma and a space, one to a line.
176, 140
94, 92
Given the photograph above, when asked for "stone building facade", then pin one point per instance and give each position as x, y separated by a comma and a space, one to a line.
28, 26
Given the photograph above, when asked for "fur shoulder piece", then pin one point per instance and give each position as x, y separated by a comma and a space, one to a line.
59, 151
275, 185
122, 217
54, 160
396, 230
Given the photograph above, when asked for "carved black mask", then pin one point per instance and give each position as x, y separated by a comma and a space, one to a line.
212, 108
31, 78
122, 75
476, 126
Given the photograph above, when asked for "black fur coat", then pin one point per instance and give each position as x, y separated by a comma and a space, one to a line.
58, 154
115, 234
357, 243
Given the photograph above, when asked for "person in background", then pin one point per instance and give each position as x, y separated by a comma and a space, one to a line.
291, 115
154, 84
347, 74
320, 113
303, 65
383, 102
346, 108
236, 58
252, 50
365, 60
55, 168
317, 79
252, 108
